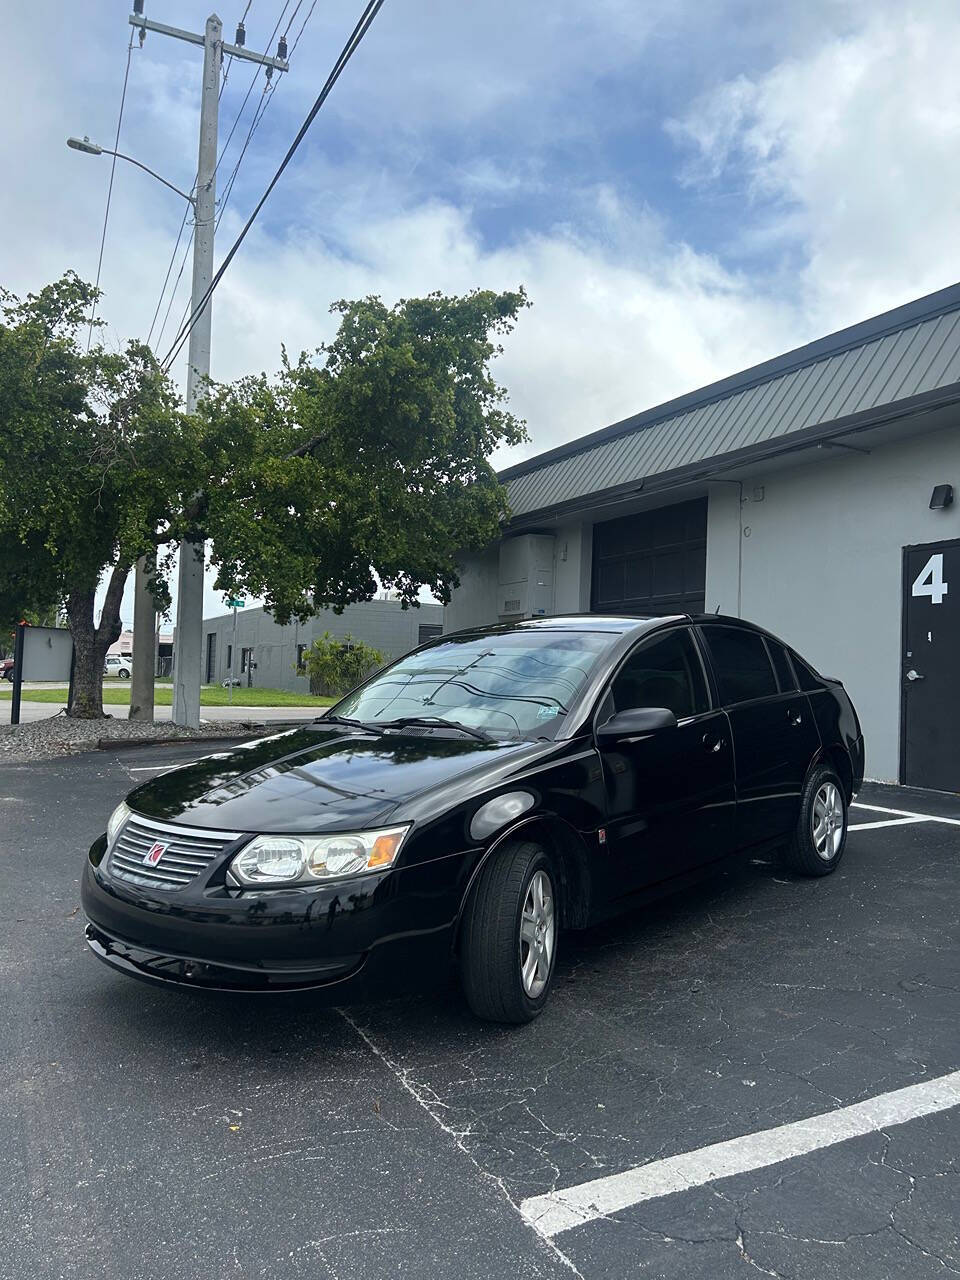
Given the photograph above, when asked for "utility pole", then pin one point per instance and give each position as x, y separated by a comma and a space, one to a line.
187, 651
144, 655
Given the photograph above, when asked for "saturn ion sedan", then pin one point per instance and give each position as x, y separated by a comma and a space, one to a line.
471, 801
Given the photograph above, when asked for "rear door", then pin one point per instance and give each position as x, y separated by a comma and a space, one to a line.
670, 797
775, 736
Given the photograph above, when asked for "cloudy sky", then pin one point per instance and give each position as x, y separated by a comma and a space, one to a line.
683, 188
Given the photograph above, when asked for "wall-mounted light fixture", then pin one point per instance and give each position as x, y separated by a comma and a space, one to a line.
942, 497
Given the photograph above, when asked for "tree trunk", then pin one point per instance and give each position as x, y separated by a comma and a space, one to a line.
90, 643
88, 655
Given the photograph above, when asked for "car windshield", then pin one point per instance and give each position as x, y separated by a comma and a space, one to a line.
511, 684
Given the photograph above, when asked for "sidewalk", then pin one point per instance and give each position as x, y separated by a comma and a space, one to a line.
30, 711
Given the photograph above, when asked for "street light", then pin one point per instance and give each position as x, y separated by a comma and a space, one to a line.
94, 149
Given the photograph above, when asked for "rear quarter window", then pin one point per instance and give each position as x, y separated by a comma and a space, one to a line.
781, 665
807, 678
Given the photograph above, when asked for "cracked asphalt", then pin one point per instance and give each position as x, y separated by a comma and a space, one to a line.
153, 1135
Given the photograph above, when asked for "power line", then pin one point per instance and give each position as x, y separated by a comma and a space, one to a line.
268, 92
300, 32
363, 25
113, 167
292, 17
223, 152
166, 278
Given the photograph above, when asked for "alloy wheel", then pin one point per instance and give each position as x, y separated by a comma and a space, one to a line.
538, 934
828, 821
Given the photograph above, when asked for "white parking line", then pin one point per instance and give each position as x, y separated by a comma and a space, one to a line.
906, 813
157, 768
571, 1207
887, 822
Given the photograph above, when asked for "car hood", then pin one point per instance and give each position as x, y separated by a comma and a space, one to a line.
317, 779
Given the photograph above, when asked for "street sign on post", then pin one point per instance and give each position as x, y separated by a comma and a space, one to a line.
234, 604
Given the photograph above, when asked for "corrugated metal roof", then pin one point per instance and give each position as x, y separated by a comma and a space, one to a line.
894, 357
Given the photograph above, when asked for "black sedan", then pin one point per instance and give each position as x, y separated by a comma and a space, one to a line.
469, 801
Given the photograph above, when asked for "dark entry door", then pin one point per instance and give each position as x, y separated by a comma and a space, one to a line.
930, 670
211, 656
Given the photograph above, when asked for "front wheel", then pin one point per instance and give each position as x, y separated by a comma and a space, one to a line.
821, 832
509, 938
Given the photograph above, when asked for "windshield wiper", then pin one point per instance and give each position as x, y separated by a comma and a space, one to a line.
347, 720
435, 722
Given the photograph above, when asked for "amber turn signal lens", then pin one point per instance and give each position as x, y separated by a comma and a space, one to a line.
385, 849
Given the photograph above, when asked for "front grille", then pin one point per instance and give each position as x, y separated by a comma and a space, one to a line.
188, 852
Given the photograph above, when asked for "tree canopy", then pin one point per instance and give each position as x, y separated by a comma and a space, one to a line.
366, 460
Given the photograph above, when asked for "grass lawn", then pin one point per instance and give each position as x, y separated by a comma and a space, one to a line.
213, 695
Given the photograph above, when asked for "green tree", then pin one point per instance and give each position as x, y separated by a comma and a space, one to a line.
94, 457
337, 665
366, 461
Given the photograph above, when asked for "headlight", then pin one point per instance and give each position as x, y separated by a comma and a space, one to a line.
119, 816
288, 859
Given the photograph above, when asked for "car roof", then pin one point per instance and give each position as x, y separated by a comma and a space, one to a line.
614, 624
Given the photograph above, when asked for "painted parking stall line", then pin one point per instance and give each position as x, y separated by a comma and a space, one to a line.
560, 1211
907, 813
885, 822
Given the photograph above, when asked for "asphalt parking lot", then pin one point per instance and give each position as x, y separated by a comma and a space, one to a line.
151, 1134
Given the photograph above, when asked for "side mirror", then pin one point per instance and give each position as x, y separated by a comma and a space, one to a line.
638, 722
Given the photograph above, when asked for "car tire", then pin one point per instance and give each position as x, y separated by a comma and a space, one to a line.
123, 673
512, 908
820, 837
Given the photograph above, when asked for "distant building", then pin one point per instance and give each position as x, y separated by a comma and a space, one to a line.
124, 648
276, 652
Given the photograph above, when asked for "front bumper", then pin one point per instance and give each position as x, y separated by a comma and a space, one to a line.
380, 934
192, 972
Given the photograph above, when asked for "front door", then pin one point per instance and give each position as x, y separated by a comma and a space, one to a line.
930, 670
670, 797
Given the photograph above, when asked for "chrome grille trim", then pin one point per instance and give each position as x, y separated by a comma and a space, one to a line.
189, 852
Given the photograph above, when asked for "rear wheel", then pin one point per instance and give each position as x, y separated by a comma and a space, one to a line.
509, 938
821, 832
123, 673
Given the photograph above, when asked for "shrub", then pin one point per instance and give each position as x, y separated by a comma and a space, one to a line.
336, 665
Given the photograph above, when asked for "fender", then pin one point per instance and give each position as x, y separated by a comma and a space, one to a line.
576, 882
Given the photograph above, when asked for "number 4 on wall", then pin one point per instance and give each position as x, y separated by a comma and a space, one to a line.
929, 581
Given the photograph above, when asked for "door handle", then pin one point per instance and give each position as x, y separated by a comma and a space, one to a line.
795, 717
914, 675
712, 742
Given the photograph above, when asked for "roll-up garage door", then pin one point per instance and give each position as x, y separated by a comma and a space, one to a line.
652, 563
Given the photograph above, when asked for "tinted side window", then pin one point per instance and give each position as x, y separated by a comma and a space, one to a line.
809, 681
663, 672
781, 665
741, 663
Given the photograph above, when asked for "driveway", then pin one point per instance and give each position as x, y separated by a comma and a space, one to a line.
810, 1027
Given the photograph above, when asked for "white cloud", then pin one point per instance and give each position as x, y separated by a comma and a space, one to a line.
855, 145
